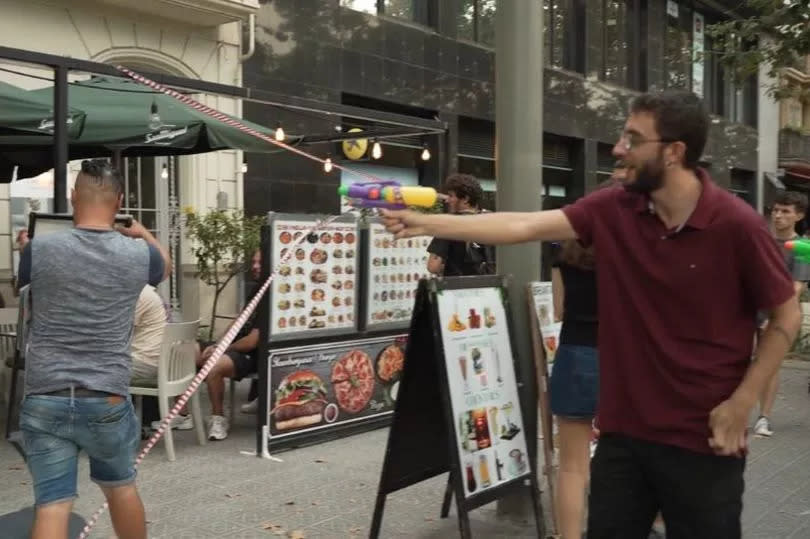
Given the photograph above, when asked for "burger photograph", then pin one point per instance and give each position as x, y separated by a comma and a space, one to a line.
299, 400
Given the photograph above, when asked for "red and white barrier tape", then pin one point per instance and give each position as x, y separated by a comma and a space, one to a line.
240, 321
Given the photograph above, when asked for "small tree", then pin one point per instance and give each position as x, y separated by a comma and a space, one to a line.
223, 244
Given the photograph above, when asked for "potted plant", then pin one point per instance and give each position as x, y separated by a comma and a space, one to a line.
223, 243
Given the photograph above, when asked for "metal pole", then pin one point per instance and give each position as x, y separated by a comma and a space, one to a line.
518, 165
60, 140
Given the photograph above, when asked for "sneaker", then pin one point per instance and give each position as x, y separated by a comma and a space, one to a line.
763, 427
250, 408
179, 422
218, 429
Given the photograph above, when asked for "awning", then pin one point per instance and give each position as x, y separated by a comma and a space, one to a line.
27, 112
796, 169
111, 114
124, 115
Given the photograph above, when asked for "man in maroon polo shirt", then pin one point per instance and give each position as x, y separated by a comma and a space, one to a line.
683, 268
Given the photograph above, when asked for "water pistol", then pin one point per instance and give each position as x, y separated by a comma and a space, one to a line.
388, 195
800, 249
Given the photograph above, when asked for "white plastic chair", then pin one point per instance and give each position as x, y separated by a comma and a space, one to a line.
8, 344
175, 372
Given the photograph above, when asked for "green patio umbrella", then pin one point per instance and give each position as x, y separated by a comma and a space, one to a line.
124, 115
26, 112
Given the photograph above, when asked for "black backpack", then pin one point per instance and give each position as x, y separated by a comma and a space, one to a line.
480, 259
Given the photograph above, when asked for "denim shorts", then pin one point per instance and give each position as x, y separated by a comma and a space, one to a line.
55, 429
574, 384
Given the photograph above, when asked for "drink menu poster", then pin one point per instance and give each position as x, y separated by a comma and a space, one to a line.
543, 301
394, 270
483, 388
315, 289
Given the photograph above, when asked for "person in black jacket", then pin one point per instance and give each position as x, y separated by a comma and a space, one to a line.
456, 258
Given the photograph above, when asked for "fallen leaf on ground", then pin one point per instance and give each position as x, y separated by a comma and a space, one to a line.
320, 461
429, 519
314, 503
15, 467
291, 502
270, 526
297, 534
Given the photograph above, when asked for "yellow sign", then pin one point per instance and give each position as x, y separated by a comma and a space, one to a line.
355, 149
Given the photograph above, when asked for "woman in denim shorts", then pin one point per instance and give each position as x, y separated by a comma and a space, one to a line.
574, 384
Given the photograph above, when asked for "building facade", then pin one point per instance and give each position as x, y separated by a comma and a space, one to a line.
794, 136
198, 40
431, 58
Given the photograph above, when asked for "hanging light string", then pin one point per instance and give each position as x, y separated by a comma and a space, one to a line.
232, 122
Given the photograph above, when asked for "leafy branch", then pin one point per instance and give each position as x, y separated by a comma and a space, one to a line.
775, 34
223, 244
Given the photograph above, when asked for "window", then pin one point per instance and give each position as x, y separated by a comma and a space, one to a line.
692, 63
410, 10
678, 46
614, 45
554, 22
743, 185
476, 21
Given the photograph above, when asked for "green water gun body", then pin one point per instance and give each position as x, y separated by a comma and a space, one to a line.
800, 249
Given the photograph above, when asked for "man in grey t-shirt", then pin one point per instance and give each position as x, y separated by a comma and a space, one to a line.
789, 208
85, 283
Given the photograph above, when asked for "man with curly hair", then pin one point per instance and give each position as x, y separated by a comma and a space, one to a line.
455, 258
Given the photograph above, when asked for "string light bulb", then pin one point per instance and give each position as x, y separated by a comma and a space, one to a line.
155, 122
327, 165
425, 153
376, 150
164, 174
279, 133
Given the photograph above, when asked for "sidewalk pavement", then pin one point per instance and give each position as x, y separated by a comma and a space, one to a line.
328, 490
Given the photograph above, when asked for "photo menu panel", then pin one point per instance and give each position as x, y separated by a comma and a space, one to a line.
394, 269
315, 290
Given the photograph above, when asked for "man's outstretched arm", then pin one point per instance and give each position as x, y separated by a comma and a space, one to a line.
487, 228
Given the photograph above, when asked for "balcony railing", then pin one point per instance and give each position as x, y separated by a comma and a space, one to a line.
794, 145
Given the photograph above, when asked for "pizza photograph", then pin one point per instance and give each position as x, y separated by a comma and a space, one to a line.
353, 381
390, 363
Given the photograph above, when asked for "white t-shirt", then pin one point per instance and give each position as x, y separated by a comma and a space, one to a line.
150, 322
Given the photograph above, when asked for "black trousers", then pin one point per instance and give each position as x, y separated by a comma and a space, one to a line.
699, 495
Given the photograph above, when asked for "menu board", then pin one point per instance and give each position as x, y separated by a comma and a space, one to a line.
315, 289
544, 307
322, 386
394, 268
483, 387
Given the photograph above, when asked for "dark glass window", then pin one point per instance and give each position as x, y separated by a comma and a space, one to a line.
554, 22
614, 41
476, 21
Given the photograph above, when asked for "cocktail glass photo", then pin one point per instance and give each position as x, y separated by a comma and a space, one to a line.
462, 365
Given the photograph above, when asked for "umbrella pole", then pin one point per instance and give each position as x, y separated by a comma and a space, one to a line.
60, 141
116, 160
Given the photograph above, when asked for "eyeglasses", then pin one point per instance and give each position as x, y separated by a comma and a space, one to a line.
632, 141
97, 167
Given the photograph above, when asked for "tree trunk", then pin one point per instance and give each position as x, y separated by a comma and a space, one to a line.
217, 292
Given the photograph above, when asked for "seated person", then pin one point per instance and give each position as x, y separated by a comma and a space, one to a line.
238, 361
147, 337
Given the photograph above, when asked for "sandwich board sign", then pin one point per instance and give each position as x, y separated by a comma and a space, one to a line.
458, 408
